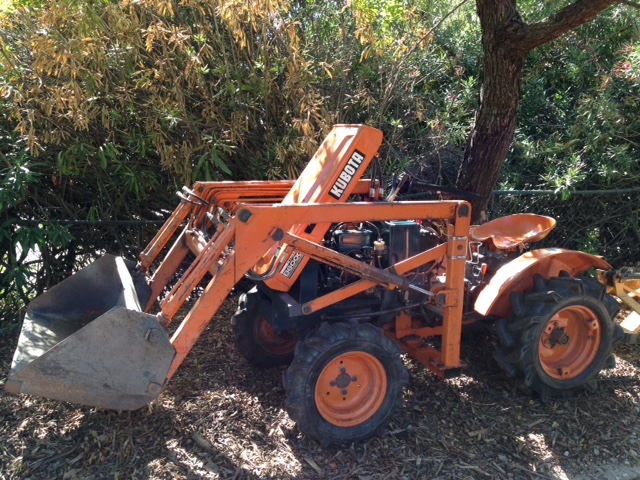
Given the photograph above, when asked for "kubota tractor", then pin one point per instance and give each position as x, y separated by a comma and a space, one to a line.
346, 280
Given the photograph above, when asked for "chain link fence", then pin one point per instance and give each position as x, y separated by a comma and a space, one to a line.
604, 223
599, 222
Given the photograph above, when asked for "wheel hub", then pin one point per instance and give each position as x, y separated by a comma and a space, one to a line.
570, 342
343, 380
558, 336
272, 342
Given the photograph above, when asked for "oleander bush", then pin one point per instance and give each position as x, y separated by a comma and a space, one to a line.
107, 107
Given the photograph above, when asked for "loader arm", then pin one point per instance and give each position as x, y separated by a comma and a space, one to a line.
205, 199
255, 229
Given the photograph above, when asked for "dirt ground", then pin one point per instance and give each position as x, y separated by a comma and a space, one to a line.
220, 417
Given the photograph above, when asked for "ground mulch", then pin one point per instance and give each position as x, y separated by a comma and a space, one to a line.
220, 417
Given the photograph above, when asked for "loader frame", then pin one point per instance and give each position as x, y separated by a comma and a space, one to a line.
246, 228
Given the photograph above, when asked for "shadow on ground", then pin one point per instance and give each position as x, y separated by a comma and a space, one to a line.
222, 418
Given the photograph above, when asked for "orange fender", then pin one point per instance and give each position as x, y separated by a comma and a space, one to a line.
517, 276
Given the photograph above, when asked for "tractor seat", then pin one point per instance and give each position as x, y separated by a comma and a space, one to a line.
514, 230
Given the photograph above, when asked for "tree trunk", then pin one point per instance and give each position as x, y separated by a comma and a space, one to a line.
496, 117
506, 41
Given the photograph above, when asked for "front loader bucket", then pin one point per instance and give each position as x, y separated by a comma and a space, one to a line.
87, 341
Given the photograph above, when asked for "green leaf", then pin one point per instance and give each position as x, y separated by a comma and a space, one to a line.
219, 163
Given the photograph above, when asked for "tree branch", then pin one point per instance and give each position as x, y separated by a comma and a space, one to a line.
630, 4
430, 32
398, 69
570, 17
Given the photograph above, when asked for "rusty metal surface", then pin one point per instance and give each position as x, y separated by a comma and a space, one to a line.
73, 303
118, 361
86, 341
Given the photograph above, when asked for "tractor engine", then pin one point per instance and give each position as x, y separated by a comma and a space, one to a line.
378, 244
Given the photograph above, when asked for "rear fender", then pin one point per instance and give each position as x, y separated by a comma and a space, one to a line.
517, 276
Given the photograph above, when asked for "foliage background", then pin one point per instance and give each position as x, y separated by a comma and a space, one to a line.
106, 108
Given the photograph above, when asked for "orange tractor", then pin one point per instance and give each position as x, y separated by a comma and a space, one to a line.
346, 280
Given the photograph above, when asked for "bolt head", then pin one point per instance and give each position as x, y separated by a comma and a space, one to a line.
153, 335
154, 388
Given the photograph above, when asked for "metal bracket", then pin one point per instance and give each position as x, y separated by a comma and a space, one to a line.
221, 217
457, 244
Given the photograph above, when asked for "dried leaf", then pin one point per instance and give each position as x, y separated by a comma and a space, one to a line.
201, 441
313, 464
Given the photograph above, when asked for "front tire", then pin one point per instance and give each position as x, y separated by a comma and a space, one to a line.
255, 339
344, 383
560, 337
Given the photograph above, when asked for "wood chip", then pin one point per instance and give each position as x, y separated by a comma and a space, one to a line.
220, 417
313, 464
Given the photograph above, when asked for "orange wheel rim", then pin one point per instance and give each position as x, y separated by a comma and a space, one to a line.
570, 342
271, 341
351, 389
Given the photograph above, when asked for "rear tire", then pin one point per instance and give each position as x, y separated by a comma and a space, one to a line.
344, 383
254, 337
560, 337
